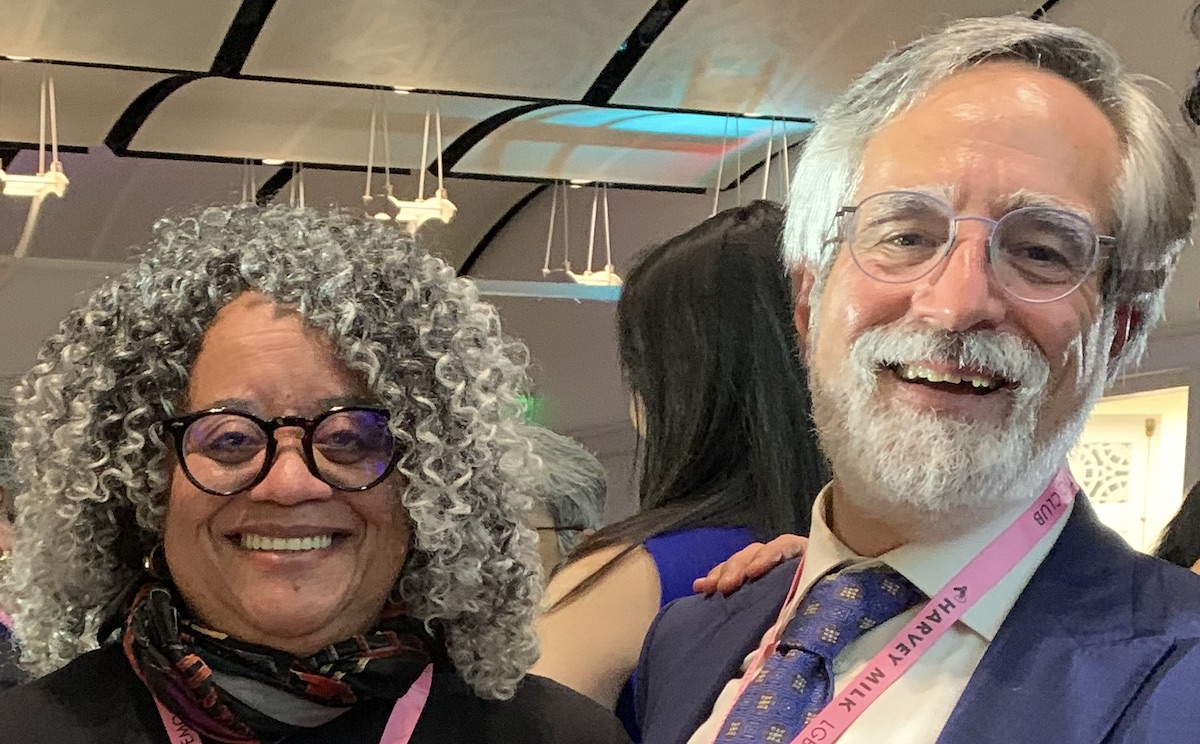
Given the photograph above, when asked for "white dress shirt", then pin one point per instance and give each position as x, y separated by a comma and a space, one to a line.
914, 709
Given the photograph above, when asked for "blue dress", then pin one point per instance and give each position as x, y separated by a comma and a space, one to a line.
681, 558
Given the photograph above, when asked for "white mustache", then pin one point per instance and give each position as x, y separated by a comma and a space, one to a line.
1000, 355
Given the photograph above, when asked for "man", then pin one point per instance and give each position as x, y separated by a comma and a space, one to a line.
980, 234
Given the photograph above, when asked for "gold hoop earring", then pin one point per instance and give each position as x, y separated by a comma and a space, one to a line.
154, 564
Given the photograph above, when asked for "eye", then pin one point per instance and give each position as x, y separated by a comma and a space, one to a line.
912, 239
1042, 254
225, 438
342, 445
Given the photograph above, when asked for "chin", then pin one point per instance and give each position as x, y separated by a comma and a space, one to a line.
932, 472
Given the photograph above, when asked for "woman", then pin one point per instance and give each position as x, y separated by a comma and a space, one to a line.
728, 456
273, 471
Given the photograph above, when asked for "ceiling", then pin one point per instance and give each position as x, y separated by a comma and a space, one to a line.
164, 104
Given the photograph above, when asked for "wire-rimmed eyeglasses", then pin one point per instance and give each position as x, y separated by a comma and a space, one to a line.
1037, 253
225, 451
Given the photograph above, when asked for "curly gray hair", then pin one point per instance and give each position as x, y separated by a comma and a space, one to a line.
95, 469
1154, 199
574, 487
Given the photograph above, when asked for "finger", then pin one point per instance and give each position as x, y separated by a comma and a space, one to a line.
707, 584
735, 570
775, 552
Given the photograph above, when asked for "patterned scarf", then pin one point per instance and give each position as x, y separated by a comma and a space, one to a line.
176, 659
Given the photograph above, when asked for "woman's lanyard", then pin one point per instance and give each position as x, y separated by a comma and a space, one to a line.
945, 608
399, 729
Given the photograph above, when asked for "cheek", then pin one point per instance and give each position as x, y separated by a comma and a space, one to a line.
850, 305
1068, 337
188, 510
384, 513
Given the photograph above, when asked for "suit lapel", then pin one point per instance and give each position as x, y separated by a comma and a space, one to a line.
1065, 663
718, 647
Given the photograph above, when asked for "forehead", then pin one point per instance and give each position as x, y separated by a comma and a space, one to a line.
262, 352
995, 135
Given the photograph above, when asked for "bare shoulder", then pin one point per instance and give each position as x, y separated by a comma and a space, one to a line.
635, 572
591, 643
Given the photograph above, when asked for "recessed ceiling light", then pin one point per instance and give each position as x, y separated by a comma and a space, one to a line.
15, 58
754, 114
580, 182
402, 90
273, 161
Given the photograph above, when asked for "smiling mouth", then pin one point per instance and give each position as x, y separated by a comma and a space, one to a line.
963, 383
251, 541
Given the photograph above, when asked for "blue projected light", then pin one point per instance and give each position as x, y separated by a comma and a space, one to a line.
678, 123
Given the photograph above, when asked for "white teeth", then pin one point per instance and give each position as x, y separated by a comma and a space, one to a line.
909, 372
263, 542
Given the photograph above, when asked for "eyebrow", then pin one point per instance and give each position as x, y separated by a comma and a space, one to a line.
246, 405
1025, 198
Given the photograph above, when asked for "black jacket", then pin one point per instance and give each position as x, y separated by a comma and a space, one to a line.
97, 699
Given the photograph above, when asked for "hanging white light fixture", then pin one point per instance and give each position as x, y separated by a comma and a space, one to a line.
603, 285
412, 213
49, 179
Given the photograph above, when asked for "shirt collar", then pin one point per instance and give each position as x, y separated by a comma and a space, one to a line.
930, 564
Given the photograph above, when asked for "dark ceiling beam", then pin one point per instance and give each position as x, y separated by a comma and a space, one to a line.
239, 39
135, 115
10, 150
495, 229
243, 31
631, 51
1041, 12
463, 143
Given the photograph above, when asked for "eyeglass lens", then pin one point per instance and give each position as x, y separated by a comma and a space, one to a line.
226, 452
1037, 253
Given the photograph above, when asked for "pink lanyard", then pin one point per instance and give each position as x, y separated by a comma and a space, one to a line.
945, 608
5, 620
399, 729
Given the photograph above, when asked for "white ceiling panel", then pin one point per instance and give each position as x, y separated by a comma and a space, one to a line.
518, 47
787, 59
175, 34
309, 123
89, 100
628, 146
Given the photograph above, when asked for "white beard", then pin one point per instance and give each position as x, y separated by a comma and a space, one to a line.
923, 472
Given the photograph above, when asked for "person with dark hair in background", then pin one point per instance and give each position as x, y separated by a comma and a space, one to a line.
1180, 540
720, 400
569, 502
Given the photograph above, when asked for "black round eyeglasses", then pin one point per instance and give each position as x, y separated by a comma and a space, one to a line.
224, 451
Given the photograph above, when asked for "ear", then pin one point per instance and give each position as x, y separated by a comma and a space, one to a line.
803, 281
1126, 321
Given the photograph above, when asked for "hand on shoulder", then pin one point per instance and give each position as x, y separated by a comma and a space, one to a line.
749, 563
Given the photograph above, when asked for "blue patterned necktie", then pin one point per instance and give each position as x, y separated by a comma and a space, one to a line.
796, 681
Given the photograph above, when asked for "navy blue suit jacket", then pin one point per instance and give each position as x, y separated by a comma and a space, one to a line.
1102, 646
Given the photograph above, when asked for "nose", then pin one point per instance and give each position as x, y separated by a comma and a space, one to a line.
289, 481
961, 293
